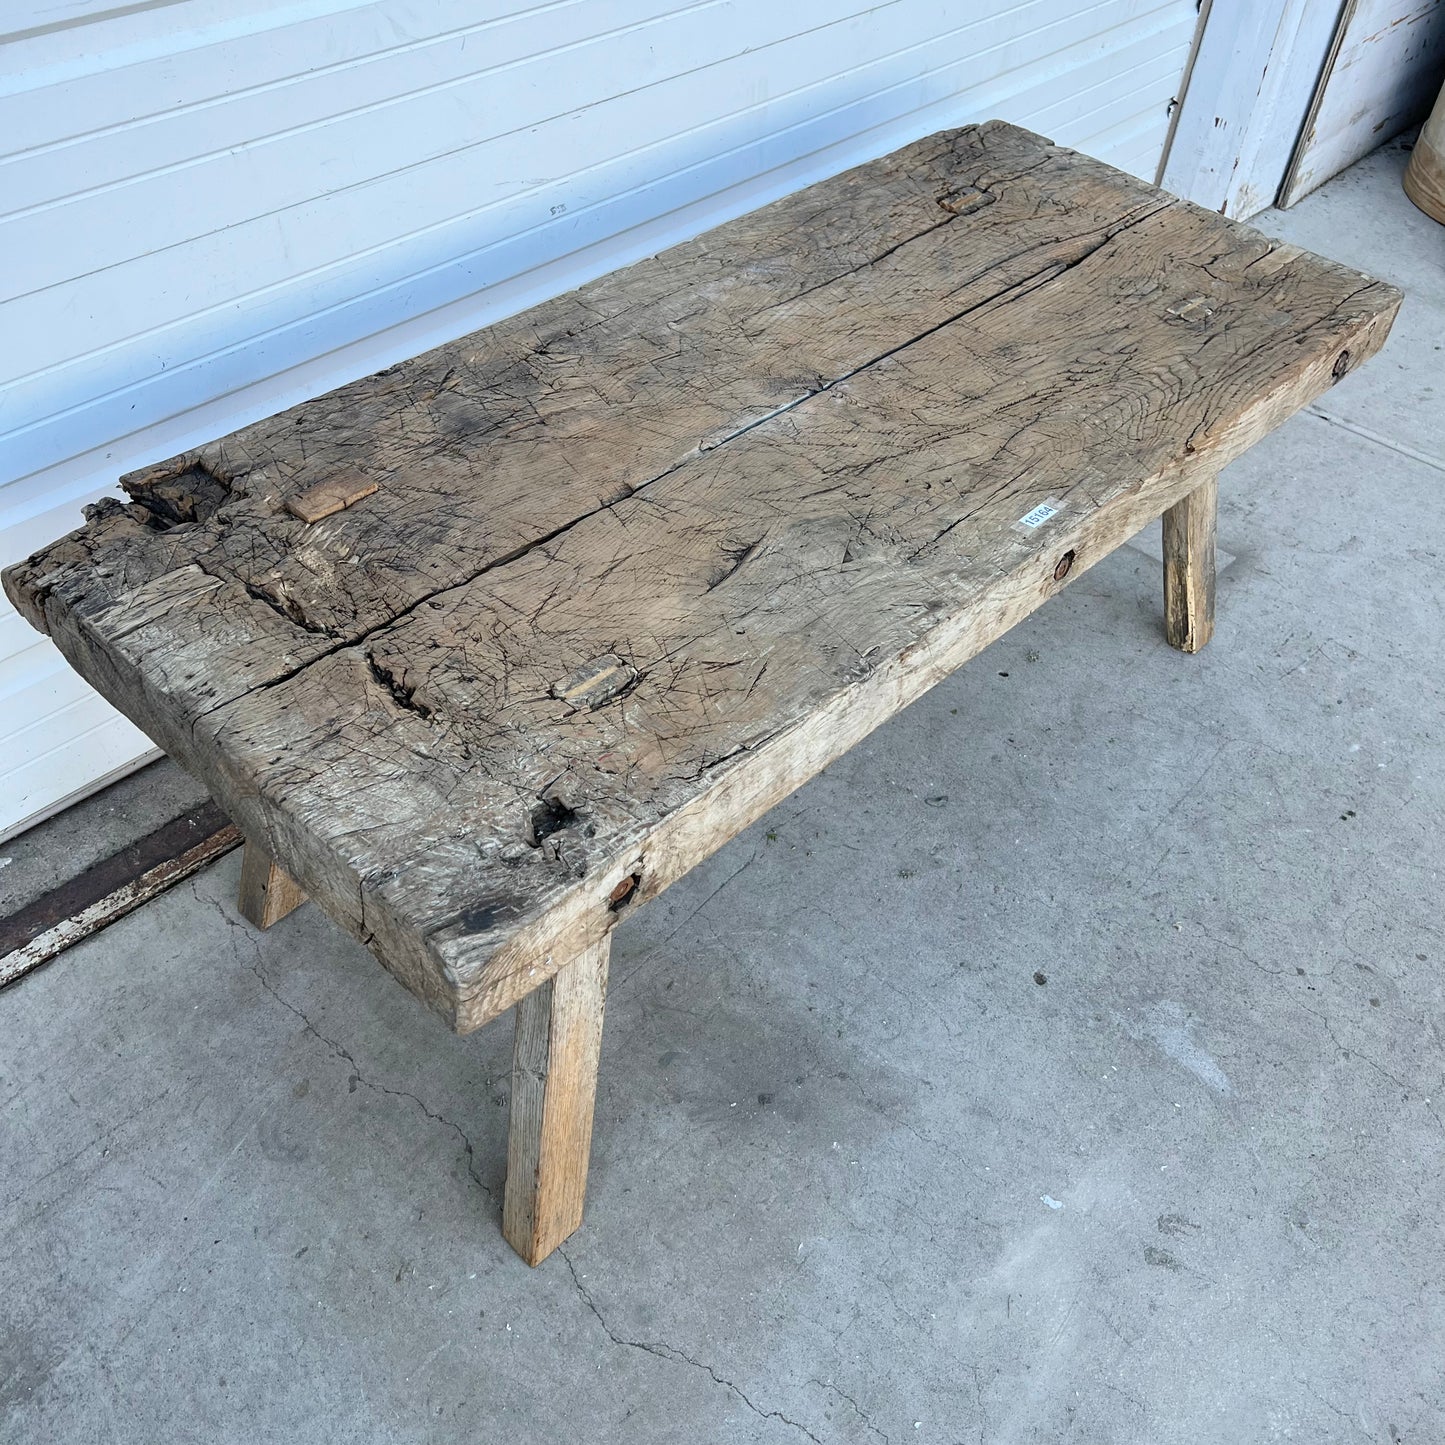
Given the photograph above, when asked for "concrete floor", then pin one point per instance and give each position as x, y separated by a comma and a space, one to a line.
1064, 1065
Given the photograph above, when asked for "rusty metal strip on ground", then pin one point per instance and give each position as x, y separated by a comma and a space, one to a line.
112, 888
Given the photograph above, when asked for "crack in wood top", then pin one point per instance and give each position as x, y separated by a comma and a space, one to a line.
646, 557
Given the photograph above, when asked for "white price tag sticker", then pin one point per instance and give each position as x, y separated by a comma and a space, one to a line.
1038, 516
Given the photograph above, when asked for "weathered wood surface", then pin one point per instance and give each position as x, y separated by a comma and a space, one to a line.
1190, 528
327, 497
641, 560
267, 893
554, 1086
1425, 175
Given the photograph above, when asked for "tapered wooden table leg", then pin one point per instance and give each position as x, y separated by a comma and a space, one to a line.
1189, 540
554, 1084
267, 894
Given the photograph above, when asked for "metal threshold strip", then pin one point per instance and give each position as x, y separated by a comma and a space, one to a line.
112, 888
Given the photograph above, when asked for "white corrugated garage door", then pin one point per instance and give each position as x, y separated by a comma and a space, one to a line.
210, 209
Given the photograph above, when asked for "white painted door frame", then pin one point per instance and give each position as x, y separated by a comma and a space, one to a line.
1253, 75
1382, 76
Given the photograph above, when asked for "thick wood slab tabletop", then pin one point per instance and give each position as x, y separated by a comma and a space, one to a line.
581, 595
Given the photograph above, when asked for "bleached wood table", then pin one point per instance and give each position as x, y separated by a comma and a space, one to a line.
486, 650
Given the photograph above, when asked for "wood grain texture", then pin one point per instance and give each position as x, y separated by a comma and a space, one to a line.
1425, 175
1190, 526
573, 404
326, 498
267, 893
554, 1082
429, 181
645, 558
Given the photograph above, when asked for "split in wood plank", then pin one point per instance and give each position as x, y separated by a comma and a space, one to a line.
643, 559
268, 893
613, 577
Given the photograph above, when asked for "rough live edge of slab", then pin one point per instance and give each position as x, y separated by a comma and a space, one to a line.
672, 543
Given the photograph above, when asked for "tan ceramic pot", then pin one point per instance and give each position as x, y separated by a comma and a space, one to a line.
1425, 175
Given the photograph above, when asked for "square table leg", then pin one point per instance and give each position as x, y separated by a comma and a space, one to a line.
1189, 540
267, 894
554, 1084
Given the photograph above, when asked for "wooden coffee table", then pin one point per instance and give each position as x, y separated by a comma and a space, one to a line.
486, 650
